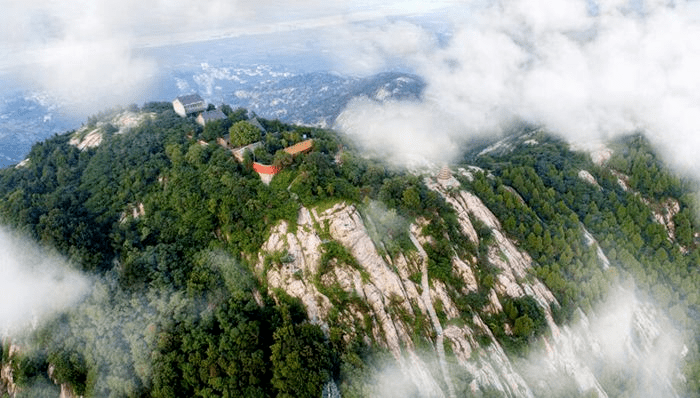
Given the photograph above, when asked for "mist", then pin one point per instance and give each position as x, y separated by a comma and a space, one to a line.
625, 346
89, 57
34, 284
585, 70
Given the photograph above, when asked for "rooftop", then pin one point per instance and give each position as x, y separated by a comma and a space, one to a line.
300, 147
213, 115
190, 99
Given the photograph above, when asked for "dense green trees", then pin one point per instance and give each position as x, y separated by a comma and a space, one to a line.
243, 133
144, 210
168, 226
300, 361
230, 351
537, 192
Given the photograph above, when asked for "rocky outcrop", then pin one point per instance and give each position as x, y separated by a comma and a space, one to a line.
7, 385
66, 390
134, 212
384, 297
585, 175
7, 381
391, 299
664, 215
128, 120
83, 140
91, 137
591, 241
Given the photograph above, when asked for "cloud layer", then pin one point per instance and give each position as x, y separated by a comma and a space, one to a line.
88, 55
33, 284
626, 347
585, 70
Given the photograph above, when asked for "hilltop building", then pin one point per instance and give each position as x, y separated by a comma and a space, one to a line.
444, 174
265, 171
209, 116
255, 122
446, 179
188, 104
301, 147
238, 152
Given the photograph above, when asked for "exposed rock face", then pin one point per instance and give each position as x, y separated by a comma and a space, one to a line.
622, 180
384, 297
388, 298
23, 163
7, 385
134, 211
90, 140
66, 390
588, 177
128, 120
664, 216
125, 121
7, 382
590, 241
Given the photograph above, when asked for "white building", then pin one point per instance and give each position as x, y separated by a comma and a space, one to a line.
187, 104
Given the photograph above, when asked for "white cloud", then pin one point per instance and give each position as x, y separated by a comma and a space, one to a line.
33, 284
582, 69
85, 53
381, 45
625, 340
401, 132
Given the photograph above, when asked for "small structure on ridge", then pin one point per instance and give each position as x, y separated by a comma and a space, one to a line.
188, 104
301, 147
265, 171
445, 178
209, 116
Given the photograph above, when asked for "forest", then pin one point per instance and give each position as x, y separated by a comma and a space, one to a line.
170, 224
183, 267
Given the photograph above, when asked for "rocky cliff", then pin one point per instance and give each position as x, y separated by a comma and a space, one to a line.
392, 301
388, 301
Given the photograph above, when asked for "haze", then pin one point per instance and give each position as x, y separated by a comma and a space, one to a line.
89, 55
587, 70
34, 284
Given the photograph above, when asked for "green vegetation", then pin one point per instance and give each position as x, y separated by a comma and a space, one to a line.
525, 319
243, 133
542, 202
170, 226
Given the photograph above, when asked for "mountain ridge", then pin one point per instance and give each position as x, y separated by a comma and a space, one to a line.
303, 284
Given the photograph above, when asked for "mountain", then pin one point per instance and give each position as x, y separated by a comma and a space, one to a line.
26, 118
273, 92
527, 269
310, 98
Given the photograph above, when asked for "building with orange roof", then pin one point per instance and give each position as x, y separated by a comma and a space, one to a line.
301, 147
265, 171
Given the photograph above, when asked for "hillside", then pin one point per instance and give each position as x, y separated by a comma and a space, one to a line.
525, 270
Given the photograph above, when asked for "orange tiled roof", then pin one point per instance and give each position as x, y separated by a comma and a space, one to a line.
265, 169
300, 147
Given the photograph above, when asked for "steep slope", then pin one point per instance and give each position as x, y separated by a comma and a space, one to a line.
378, 295
385, 296
345, 275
